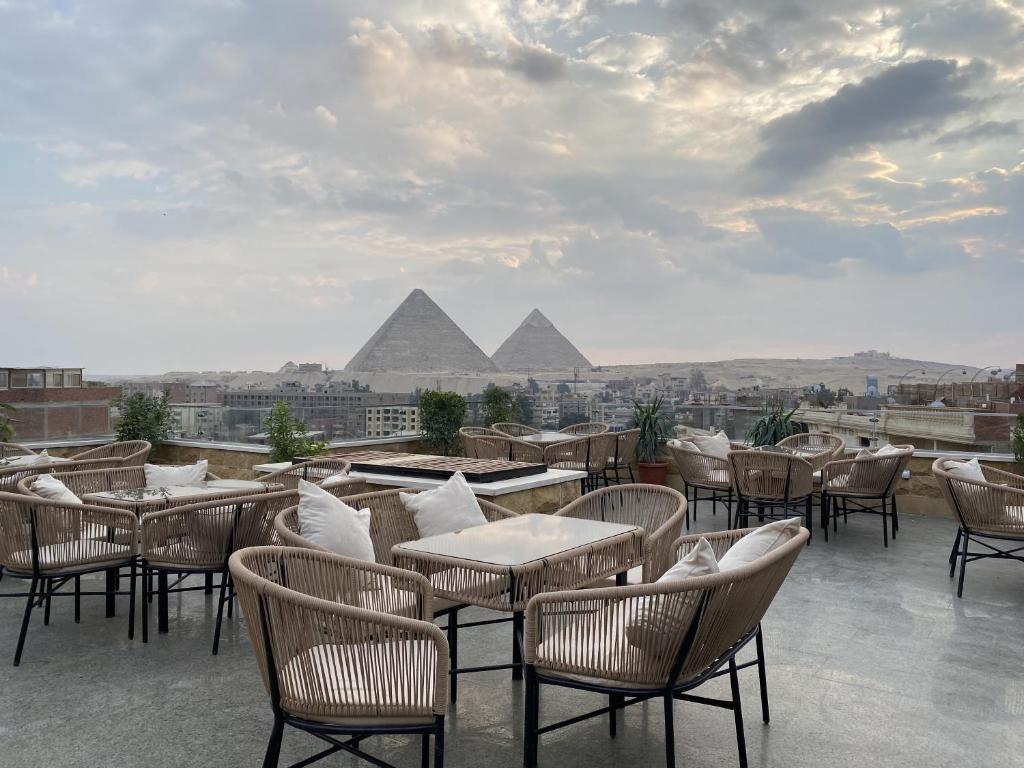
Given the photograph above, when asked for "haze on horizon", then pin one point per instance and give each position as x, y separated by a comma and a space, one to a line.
226, 185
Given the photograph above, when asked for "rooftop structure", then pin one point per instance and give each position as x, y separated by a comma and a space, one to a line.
536, 345
419, 337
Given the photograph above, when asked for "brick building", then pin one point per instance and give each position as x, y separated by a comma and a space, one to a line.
54, 403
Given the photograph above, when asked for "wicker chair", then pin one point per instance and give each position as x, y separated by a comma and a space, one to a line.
818, 448
130, 452
586, 428
198, 539
989, 512
50, 543
469, 435
13, 449
390, 524
864, 485
512, 429
508, 449
625, 451
583, 640
315, 471
777, 484
658, 509
702, 472
571, 454
333, 667
97, 480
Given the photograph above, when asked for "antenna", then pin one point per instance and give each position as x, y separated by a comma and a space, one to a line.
576, 380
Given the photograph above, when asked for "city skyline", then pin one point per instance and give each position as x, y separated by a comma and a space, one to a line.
225, 186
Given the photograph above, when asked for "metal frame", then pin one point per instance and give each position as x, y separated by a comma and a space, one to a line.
718, 496
622, 697
961, 550
860, 504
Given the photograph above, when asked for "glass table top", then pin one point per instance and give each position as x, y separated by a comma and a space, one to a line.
179, 491
547, 437
517, 540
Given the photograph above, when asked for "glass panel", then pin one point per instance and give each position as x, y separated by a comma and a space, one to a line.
3, 379
55, 378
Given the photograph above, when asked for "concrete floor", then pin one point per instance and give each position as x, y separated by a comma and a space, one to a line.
872, 661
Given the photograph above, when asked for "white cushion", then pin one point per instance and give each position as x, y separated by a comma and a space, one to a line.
73, 552
333, 480
887, 450
332, 524
759, 543
965, 470
41, 458
713, 445
190, 474
49, 487
651, 627
445, 509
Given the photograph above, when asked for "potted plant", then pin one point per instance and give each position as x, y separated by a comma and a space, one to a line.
288, 436
649, 419
773, 425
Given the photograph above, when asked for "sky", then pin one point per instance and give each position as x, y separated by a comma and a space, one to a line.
227, 185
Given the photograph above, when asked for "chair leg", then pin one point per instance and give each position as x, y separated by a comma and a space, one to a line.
147, 592
963, 563
273, 752
161, 601
835, 515
25, 620
439, 742
670, 732
895, 516
615, 702
737, 710
425, 751
208, 584
885, 524
131, 602
224, 579
453, 655
630, 467
48, 589
808, 512
531, 739
111, 589
517, 656
728, 511
824, 512
762, 677
953, 553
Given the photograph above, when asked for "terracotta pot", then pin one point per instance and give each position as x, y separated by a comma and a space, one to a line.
654, 473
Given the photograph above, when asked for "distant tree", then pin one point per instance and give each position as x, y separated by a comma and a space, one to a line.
1017, 441
287, 435
568, 419
822, 396
144, 417
499, 405
441, 416
563, 388
525, 405
842, 394
533, 386
6, 422
698, 381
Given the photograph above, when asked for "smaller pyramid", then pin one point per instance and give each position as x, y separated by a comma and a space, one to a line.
536, 345
419, 337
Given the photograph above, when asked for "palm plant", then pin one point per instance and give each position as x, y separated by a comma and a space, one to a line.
774, 425
648, 418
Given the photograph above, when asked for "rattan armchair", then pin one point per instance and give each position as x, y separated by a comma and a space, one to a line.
130, 452
658, 509
97, 480
390, 524
818, 448
991, 513
512, 429
590, 640
586, 428
198, 539
571, 454
864, 485
776, 484
333, 668
507, 449
625, 452
50, 544
314, 471
13, 449
469, 435
702, 472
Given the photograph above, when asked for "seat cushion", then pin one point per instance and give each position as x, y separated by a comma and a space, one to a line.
360, 675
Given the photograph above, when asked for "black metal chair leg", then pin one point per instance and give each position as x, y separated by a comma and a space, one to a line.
885, 525
425, 751
517, 656
25, 620
808, 512
131, 603
439, 742
963, 563
824, 512
670, 732
728, 512
953, 553
737, 710
147, 592
273, 752
453, 655
220, 610
531, 738
78, 599
631, 479
762, 676
48, 589
895, 516
111, 589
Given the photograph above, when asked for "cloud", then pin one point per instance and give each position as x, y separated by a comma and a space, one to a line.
89, 174
902, 102
325, 116
981, 130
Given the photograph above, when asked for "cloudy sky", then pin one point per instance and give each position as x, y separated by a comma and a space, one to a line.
206, 184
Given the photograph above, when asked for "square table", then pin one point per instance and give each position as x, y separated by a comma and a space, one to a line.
501, 565
142, 500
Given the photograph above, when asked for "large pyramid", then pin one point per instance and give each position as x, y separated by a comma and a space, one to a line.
538, 346
420, 338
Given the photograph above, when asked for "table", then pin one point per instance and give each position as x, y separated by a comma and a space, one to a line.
501, 565
548, 438
141, 500
262, 469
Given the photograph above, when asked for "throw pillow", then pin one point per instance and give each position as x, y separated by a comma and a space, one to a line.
49, 487
713, 445
332, 524
190, 474
447, 508
759, 543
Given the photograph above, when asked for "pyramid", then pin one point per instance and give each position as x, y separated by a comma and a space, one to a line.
419, 337
537, 345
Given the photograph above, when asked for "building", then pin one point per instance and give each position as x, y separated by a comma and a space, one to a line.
200, 421
392, 420
177, 391
55, 403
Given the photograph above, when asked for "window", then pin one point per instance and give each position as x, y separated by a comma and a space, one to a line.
55, 379
26, 379
3, 380
72, 378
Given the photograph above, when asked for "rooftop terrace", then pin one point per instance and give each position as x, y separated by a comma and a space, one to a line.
871, 661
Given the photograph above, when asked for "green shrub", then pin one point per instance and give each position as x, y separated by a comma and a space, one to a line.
1017, 441
441, 416
773, 425
499, 406
144, 417
653, 426
286, 435
6, 423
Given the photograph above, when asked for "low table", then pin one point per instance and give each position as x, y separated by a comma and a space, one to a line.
141, 500
501, 565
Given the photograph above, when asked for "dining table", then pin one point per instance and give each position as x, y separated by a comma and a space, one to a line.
547, 438
142, 500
